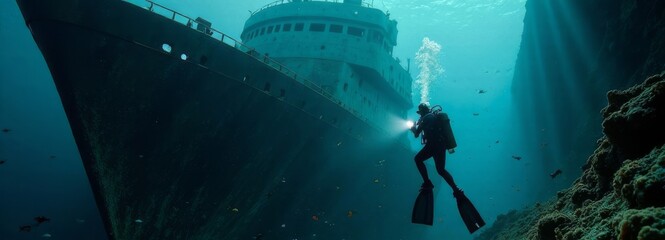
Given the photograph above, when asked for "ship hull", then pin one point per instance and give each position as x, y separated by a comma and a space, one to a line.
193, 149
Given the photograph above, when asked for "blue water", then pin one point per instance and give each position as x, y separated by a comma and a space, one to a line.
43, 174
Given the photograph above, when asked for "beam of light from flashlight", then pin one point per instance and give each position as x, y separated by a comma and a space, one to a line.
409, 124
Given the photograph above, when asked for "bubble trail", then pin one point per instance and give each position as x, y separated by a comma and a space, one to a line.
430, 67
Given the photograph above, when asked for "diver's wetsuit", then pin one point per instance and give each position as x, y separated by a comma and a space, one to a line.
436, 143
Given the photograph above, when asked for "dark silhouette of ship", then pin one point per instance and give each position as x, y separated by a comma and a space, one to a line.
187, 133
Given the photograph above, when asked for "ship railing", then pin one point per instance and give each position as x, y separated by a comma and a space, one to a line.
215, 34
280, 2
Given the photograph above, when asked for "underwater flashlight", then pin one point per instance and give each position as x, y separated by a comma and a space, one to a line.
409, 124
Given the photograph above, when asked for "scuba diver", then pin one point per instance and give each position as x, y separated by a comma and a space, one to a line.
437, 136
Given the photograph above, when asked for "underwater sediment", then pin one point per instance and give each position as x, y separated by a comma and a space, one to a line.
621, 193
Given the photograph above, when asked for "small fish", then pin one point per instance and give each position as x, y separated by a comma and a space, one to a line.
138, 221
315, 218
6, 130
46, 235
380, 163
25, 228
2, 162
555, 173
476, 114
376, 180
51, 157
517, 157
235, 210
481, 91
497, 141
258, 236
42, 219
349, 213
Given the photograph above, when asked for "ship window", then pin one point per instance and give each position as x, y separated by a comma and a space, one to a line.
299, 27
266, 87
356, 31
317, 27
287, 27
270, 29
263, 30
336, 28
166, 48
183, 56
377, 37
277, 28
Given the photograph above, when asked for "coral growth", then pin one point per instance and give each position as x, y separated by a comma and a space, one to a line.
621, 193
640, 182
643, 224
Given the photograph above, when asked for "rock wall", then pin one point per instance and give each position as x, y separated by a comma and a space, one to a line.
621, 194
572, 53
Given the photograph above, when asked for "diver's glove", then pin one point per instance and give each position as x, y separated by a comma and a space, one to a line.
451, 151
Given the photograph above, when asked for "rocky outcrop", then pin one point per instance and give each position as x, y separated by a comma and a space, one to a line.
632, 118
621, 194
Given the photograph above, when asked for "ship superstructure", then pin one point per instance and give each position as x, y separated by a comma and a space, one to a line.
344, 47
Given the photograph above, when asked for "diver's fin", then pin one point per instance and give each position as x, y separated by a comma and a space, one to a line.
423, 209
469, 214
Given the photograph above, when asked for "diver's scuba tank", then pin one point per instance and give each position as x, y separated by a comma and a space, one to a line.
445, 130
